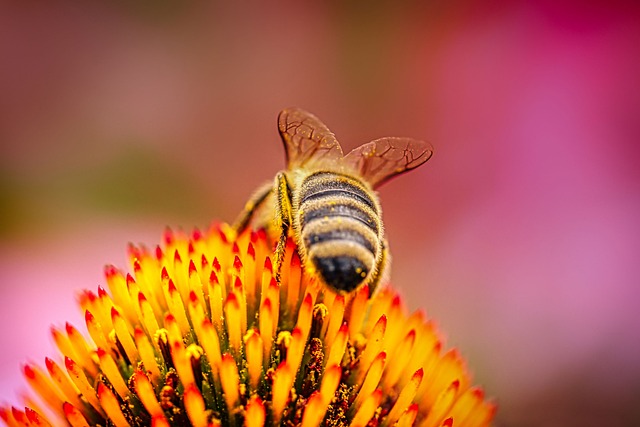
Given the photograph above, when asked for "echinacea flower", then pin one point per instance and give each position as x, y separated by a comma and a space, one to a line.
200, 334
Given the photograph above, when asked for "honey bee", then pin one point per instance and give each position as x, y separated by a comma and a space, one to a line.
328, 200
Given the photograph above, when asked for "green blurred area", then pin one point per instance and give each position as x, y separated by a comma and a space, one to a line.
132, 183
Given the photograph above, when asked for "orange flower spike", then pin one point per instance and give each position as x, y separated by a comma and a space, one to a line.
400, 359
74, 416
250, 276
62, 342
371, 380
111, 406
81, 350
450, 368
124, 337
396, 322
80, 380
118, 287
304, 316
35, 419
230, 379
273, 293
194, 404
147, 355
106, 304
32, 402
367, 409
373, 348
7, 417
180, 275
234, 327
329, 298
238, 290
295, 350
211, 345
134, 290
164, 280
95, 330
336, 314
470, 406
405, 398
254, 353
217, 269
267, 277
149, 320
87, 302
408, 418
215, 300
196, 313
314, 411
204, 271
339, 346
111, 371
358, 310
159, 421
141, 276
146, 394
195, 284
282, 381
267, 327
442, 405
237, 271
196, 241
430, 362
254, 412
447, 423
295, 280
424, 343
42, 385
182, 363
19, 417
177, 308
69, 390
329, 385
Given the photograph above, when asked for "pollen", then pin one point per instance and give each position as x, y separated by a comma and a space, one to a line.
200, 333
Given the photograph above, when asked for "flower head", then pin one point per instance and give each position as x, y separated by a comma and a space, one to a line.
200, 333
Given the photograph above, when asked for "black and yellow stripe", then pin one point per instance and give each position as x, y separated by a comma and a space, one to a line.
340, 228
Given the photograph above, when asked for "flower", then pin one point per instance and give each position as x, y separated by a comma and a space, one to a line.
201, 333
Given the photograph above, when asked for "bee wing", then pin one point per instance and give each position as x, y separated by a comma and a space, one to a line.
382, 159
306, 138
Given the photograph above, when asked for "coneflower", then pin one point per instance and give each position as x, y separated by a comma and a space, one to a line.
199, 333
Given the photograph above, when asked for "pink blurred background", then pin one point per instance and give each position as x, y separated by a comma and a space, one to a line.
520, 236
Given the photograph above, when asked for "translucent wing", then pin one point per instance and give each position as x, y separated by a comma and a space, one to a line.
306, 138
382, 159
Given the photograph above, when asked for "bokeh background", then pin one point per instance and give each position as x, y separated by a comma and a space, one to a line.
520, 236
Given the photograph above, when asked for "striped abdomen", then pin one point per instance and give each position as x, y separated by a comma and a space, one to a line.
339, 228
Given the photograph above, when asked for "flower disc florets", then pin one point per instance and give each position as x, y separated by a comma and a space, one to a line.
200, 333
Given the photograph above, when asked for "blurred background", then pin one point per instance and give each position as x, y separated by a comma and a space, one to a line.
520, 236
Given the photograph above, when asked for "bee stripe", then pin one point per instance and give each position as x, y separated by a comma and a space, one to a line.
327, 184
314, 211
338, 193
348, 230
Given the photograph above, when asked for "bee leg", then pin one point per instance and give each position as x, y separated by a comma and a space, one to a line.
381, 269
250, 208
283, 218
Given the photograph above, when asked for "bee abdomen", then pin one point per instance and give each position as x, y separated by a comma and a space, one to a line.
339, 229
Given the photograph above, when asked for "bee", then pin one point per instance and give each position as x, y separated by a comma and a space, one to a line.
328, 200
